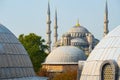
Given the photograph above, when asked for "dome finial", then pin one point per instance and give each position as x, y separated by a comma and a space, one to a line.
78, 23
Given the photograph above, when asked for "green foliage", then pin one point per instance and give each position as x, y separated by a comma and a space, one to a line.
35, 47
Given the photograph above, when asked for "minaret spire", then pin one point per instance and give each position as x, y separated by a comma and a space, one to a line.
48, 29
106, 21
55, 28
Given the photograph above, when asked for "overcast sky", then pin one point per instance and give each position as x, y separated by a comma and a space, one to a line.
29, 16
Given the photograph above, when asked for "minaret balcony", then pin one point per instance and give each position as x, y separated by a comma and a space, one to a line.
55, 27
48, 22
55, 35
49, 42
49, 32
106, 21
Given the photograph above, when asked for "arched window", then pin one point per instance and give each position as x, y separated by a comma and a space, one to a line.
107, 72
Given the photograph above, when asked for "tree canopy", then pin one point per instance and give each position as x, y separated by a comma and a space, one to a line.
35, 47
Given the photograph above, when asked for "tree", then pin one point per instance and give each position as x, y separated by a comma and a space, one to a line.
35, 47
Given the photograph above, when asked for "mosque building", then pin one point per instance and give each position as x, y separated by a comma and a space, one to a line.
72, 47
77, 36
70, 51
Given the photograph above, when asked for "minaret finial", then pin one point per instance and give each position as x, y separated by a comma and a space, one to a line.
55, 28
48, 28
106, 21
106, 7
48, 12
78, 23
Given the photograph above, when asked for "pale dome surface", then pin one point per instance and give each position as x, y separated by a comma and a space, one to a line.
65, 55
15, 63
78, 29
107, 49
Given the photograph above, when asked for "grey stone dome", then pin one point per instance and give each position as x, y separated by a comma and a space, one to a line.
15, 63
78, 31
108, 49
65, 55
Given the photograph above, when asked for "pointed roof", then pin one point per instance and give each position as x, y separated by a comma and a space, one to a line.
48, 8
106, 8
55, 16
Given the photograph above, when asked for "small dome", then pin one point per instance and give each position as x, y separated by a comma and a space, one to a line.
65, 55
78, 40
108, 49
15, 63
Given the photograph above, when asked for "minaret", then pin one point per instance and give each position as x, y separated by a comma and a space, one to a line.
106, 21
90, 41
55, 28
48, 29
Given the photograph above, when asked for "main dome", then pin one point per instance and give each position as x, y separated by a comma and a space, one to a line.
65, 55
15, 63
106, 51
78, 29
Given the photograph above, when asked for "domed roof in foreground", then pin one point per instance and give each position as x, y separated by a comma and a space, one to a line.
107, 49
65, 55
15, 63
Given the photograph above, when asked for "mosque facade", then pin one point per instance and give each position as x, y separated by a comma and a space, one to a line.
77, 36
69, 52
72, 47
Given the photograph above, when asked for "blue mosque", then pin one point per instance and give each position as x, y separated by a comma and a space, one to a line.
76, 49
73, 46
72, 49
77, 36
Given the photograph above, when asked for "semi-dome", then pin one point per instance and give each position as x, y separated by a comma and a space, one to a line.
104, 61
15, 63
65, 55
